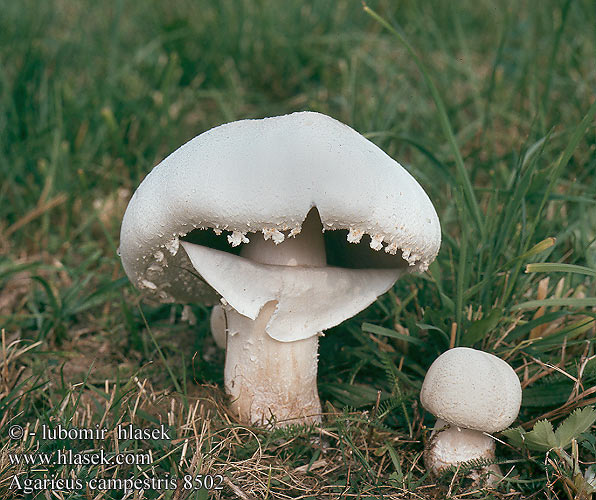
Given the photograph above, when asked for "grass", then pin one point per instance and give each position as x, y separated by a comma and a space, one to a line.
491, 107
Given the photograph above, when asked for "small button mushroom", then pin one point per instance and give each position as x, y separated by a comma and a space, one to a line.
296, 223
472, 393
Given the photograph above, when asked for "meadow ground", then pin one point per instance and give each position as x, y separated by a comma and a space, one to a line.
490, 105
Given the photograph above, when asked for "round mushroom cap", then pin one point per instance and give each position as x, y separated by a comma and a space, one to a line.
472, 389
264, 176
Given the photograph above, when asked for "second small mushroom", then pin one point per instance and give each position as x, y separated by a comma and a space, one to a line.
473, 394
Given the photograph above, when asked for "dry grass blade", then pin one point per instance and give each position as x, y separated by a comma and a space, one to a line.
38, 211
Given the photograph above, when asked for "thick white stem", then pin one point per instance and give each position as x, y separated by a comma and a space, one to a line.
450, 445
272, 381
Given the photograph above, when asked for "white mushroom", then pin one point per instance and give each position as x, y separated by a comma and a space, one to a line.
472, 393
295, 194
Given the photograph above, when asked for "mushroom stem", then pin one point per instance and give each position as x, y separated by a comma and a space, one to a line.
307, 248
265, 377
450, 445
270, 381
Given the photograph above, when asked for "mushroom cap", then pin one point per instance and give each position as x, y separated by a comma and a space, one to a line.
265, 176
472, 389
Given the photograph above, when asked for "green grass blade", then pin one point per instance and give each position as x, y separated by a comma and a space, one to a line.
570, 302
554, 267
161, 355
536, 249
379, 330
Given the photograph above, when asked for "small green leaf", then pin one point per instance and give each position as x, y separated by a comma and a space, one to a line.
478, 329
575, 424
541, 437
399, 475
515, 436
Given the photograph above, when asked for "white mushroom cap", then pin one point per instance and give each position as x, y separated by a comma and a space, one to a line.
265, 176
472, 389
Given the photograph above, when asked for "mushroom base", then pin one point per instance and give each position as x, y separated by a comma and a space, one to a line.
270, 382
451, 445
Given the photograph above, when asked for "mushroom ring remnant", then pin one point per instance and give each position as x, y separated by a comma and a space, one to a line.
471, 393
295, 223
